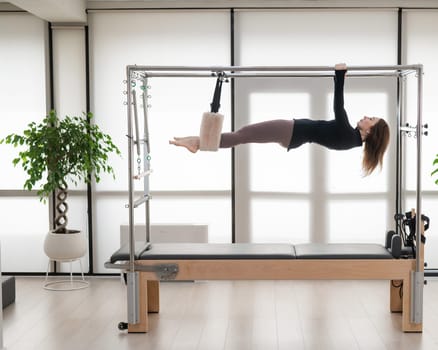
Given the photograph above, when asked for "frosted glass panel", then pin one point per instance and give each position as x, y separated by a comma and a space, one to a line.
69, 71
110, 213
25, 222
316, 37
175, 168
279, 220
213, 210
421, 31
358, 221
291, 38
161, 38
22, 85
22, 99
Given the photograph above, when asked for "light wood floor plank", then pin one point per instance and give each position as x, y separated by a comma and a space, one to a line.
218, 315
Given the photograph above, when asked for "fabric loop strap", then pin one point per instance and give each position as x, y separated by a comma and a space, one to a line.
215, 104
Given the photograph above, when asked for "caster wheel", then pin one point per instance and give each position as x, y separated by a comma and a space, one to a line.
123, 326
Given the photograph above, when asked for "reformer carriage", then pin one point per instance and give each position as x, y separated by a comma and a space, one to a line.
145, 264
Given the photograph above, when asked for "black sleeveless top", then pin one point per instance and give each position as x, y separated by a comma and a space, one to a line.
335, 134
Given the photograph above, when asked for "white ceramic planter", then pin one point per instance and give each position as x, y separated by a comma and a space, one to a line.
65, 246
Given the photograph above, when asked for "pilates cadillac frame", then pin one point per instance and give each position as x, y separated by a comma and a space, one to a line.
143, 274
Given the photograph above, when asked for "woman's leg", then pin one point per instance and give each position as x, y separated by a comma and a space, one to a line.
272, 131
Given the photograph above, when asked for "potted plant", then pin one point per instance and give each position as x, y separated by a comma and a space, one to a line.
57, 151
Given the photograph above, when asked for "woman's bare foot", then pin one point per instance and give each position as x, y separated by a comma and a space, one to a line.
189, 142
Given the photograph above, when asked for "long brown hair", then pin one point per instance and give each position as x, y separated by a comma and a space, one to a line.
375, 146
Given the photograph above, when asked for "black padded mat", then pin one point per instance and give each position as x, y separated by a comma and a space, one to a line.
192, 251
123, 253
212, 251
341, 251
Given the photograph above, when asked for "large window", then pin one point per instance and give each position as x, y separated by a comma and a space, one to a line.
307, 194
306, 188
25, 220
186, 188
421, 29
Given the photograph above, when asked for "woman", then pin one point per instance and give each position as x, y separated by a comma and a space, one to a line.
335, 134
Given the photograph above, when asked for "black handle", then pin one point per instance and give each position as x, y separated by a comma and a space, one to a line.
215, 105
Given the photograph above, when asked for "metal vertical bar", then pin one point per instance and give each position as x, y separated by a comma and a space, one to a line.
130, 172
132, 277
137, 132
133, 290
399, 147
417, 276
419, 153
146, 160
233, 118
400, 118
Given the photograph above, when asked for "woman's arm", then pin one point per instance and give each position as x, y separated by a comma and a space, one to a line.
338, 101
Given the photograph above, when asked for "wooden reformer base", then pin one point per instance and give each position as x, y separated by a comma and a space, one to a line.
397, 271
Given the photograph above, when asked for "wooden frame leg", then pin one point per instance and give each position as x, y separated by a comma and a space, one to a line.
396, 295
153, 296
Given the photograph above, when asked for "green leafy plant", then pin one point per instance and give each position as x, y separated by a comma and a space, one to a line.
435, 164
56, 151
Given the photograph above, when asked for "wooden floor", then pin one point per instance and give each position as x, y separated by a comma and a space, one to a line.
218, 315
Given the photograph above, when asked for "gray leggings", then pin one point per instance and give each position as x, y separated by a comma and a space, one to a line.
277, 131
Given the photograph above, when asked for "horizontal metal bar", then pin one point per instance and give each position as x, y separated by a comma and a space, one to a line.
139, 201
268, 71
267, 75
412, 67
143, 174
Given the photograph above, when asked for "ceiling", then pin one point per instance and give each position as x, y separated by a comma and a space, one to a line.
55, 10
74, 11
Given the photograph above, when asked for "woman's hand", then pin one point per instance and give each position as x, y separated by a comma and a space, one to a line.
340, 66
